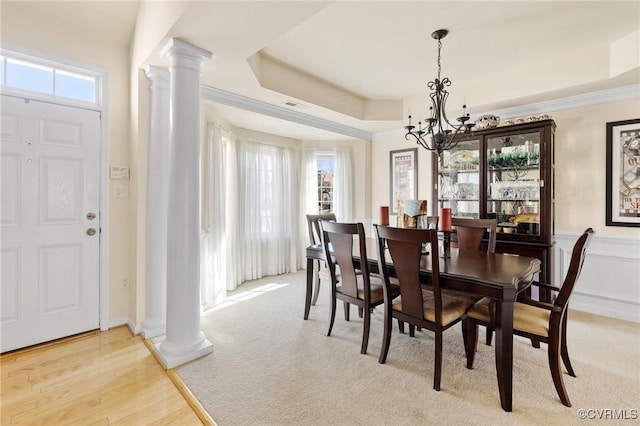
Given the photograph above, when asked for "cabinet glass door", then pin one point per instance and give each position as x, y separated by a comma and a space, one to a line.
513, 182
459, 179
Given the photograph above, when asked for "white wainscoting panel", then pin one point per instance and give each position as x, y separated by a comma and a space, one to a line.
610, 281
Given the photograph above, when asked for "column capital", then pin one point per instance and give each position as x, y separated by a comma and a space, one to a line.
158, 76
185, 54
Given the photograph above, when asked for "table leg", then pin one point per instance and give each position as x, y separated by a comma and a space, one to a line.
307, 296
504, 352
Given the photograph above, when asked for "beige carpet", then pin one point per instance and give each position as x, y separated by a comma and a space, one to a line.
270, 367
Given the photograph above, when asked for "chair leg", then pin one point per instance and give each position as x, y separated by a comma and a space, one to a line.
316, 280
464, 326
438, 361
489, 336
563, 348
556, 368
472, 342
412, 330
401, 326
360, 312
535, 343
347, 307
386, 337
333, 313
365, 332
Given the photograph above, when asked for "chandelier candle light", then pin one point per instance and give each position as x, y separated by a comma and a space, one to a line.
438, 134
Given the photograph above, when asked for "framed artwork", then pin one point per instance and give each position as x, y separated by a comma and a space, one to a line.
623, 173
403, 176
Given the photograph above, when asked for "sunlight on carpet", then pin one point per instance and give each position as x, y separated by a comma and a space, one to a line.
242, 295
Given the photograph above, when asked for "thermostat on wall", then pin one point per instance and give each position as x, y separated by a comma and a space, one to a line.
119, 172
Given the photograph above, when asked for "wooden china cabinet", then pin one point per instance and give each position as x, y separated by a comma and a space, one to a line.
505, 173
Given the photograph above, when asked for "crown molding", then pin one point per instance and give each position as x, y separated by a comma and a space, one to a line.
570, 102
602, 96
238, 101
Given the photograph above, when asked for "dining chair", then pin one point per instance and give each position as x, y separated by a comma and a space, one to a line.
435, 309
470, 233
424, 222
538, 321
315, 237
355, 287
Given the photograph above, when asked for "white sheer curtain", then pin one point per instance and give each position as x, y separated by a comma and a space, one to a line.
233, 254
268, 209
310, 180
220, 250
342, 185
256, 195
309, 196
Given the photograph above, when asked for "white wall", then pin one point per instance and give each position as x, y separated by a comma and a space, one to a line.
580, 147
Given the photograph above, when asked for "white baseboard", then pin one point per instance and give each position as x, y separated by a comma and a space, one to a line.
118, 321
610, 281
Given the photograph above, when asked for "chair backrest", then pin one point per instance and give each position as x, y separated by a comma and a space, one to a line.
313, 226
338, 240
405, 250
575, 268
471, 231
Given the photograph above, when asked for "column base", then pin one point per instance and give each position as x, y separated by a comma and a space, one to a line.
150, 330
174, 360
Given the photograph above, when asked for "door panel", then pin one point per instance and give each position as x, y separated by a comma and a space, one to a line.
50, 181
10, 210
10, 289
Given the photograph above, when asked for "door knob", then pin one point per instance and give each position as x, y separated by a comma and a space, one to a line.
91, 216
91, 231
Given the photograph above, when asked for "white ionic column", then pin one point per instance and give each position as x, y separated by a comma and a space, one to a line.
184, 341
154, 323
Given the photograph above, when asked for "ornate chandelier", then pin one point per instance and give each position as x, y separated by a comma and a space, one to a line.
438, 133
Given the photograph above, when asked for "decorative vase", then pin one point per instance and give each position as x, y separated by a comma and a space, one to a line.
487, 121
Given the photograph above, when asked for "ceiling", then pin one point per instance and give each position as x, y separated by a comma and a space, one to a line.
365, 64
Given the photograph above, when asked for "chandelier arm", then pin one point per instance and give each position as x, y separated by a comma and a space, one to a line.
438, 133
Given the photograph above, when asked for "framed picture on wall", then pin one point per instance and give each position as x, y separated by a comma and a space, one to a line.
403, 176
623, 173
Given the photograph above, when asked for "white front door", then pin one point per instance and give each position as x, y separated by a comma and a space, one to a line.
49, 213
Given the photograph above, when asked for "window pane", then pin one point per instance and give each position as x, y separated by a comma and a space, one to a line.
75, 86
325, 184
24, 75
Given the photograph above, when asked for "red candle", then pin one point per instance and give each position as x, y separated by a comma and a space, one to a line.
384, 215
445, 219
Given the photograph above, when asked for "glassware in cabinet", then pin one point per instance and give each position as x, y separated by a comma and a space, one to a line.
459, 179
513, 182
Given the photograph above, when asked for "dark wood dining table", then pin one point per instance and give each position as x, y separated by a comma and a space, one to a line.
497, 276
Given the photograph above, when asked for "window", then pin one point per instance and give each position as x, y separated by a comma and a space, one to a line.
23, 72
75, 86
325, 166
23, 75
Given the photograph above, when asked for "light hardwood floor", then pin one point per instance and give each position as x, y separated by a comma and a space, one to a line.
97, 378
